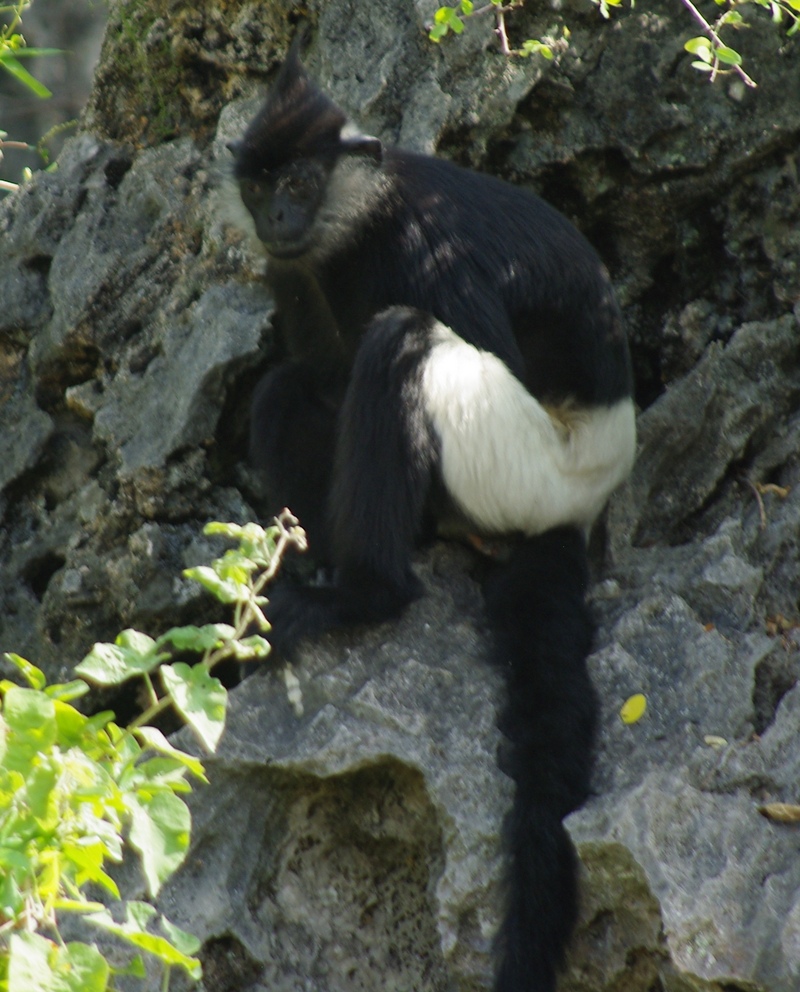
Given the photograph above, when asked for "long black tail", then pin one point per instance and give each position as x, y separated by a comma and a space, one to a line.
543, 634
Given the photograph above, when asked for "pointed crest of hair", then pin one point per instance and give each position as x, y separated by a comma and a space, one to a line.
296, 120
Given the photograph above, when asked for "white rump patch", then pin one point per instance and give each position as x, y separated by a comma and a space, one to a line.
507, 462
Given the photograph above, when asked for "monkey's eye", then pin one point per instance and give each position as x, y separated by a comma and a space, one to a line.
251, 188
299, 184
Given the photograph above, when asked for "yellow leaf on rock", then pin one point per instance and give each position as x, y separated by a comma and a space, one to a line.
633, 709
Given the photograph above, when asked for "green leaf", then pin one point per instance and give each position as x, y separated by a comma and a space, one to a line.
251, 648
139, 914
102, 721
701, 47
728, 55
448, 17
153, 738
86, 862
200, 698
78, 905
131, 654
38, 965
86, 970
12, 902
160, 831
703, 66
71, 724
233, 531
135, 968
534, 47
23, 52
156, 774
225, 590
185, 942
199, 639
10, 64
734, 18
40, 783
236, 566
68, 691
33, 675
133, 931
31, 719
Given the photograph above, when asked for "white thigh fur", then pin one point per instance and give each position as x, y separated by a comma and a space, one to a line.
509, 464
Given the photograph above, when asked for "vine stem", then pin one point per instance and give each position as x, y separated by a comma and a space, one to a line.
710, 31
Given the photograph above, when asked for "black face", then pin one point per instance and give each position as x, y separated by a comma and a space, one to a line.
284, 203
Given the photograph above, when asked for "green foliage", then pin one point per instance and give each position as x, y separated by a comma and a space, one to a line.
712, 55
13, 48
74, 789
448, 20
604, 6
70, 786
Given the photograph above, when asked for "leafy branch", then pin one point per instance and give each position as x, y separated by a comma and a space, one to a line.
451, 19
74, 789
712, 54
12, 48
711, 51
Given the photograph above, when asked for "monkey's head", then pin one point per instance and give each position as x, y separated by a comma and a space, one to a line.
286, 160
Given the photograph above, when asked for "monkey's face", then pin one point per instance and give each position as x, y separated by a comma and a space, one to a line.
284, 203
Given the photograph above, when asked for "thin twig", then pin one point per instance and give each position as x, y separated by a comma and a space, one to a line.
500, 31
762, 513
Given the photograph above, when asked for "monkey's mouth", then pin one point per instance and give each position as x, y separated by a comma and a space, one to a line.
287, 249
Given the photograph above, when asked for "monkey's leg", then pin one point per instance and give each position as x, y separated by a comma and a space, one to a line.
385, 452
292, 439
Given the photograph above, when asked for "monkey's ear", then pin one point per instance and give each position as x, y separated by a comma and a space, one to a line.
355, 143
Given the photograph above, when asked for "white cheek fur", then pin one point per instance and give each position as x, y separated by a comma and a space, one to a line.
235, 213
356, 188
508, 463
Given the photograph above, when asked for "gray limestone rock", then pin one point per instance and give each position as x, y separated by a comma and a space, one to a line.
356, 846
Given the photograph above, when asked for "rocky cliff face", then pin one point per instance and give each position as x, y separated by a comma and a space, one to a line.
358, 845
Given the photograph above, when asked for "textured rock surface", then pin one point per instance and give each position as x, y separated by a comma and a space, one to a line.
357, 845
